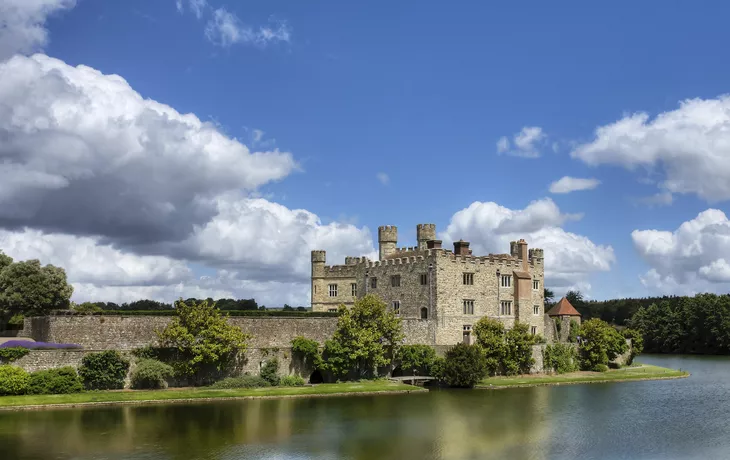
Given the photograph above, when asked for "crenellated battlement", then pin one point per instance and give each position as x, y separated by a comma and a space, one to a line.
388, 234
319, 256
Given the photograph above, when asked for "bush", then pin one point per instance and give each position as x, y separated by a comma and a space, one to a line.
59, 381
573, 334
490, 335
151, 374
308, 350
104, 370
600, 368
270, 372
245, 381
13, 380
600, 343
465, 366
291, 381
561, 358
637, 343
11, 354
518, 345
437, 368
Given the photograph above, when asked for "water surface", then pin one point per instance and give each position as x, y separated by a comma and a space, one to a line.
672, 419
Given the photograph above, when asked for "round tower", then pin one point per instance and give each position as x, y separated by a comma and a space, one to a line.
425, 233
318, 260
387, 240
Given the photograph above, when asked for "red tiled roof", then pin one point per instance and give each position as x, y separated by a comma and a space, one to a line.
563, 308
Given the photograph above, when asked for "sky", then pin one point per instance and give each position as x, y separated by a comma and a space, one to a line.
203, 148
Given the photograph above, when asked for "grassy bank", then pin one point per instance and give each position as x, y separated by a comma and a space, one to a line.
638, 372
192, 394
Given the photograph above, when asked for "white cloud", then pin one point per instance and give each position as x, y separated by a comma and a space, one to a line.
22, 24
658, 199
690, 145
525, 144
569, 258
569, 184
225, 29
693, 258
198, 7
179, 6
383, 178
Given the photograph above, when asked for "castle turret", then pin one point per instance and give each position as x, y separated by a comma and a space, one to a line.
318, 260
536, 256
387, 240
425, 233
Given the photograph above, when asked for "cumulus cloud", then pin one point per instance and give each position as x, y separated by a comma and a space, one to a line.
569, 184
225, 29
569, 258
526, 143
22, 24
693, 258
689, 145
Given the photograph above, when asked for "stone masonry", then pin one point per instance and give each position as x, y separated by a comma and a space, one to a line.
445, 290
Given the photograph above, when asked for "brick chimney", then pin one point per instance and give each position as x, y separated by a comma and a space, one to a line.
461, 248
522, 253
433, 244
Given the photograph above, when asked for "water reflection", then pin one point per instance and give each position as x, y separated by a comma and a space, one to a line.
628, 420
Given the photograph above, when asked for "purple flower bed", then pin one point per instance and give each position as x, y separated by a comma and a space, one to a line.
39, 345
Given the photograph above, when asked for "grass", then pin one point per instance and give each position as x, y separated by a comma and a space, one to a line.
187, 394
636, 372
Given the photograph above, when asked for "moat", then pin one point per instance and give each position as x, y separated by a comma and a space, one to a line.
670, 419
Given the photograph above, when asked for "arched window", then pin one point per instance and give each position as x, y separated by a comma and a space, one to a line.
424, 313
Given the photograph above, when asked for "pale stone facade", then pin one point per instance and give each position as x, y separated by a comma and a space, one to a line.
445, 290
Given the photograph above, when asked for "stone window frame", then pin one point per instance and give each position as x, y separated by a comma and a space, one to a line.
394, 280
536, 309
468, 306
374, 282
535, 285
424, 279
353, 289
333, 290
468, 278
505, 306
424, 310
533, 330
396, 307
505, 281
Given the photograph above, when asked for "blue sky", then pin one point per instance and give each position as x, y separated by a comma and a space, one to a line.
422, 93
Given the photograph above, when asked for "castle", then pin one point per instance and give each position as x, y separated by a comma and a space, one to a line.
439, 293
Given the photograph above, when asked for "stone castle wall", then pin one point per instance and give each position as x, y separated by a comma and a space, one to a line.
130, 332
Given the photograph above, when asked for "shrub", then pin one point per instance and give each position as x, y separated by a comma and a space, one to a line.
573, 333
600, 368
11, 354
13, 380
270, 372
291, 381
490, 335
437, 368
561, 358
417, 359
104, 370
637, 343
17, 320
465, 366
518, 345
308, 350
59, 381
151, 374
245, 381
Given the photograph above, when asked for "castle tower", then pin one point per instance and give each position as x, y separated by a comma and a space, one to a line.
425, 233
318, 260
387, 240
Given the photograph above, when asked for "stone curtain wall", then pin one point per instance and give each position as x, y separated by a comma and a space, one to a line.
130, 332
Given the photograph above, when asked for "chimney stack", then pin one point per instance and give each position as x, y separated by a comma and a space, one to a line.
461, 248
433, 244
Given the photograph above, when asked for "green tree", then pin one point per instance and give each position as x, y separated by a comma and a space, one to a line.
574, 297
490, 336
5, 260
104, 370
637, 343
367, 337
204, 340
518, 345
86, 307
549, 296
308, 351
464, 366
415, 359
31, 289
600, 343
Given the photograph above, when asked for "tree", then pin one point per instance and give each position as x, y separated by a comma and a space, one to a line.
518, 345
5, 260
417, 358
549, 296
367, 337
574, 297
490, 337
464, 366
31, 289
86, 307
204, 339
600, 343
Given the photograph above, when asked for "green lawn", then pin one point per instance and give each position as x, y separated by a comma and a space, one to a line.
202, 393
637, 372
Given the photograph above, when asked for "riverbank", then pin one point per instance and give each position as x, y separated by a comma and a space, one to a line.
631, 373
175, 395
